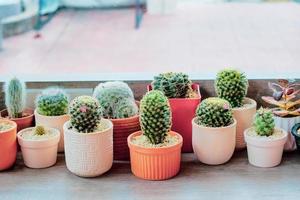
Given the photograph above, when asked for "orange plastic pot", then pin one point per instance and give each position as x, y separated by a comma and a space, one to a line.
8, 146
159, 163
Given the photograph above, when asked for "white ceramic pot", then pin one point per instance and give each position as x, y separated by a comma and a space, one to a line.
287, 123
161, 6
263, 151
53, 122
244, 117
213, 146
89, 154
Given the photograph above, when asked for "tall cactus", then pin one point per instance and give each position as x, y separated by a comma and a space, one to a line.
264, 123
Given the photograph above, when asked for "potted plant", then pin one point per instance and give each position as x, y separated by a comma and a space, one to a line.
232, 86
214, 130
155, 151
161, 6
117, 101
287, 108
265, 141
15, 100
39, 146
8, 143
52, 111
184, 97
88, 138
296, 134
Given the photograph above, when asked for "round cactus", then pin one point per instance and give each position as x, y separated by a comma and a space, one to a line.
125, 108
214, 112
232, 85
52, 102
39, 130
155, 116
85, 114
264, 122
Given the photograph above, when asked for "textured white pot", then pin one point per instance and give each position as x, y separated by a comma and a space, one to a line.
56, 122
89, 154
213, 146
161, 6
264, 152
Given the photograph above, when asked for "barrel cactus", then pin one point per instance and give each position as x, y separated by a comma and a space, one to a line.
231, 85
39, 130
125, 108
264, 123
214, 112
155, 116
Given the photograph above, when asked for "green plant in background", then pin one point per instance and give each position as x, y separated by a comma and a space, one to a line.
155, 116
264, 122
15, 97
232, 86
117, 100
39, 130
214, 112
52, 102
85, 113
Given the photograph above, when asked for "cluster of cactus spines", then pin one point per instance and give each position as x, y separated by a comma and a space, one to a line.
39, 130
232, 86
264, 122
214, 112
15, 97
117, 100
52, 102
155, 116
173, 85
85, 113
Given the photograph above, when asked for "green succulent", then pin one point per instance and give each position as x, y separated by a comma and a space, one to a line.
264, 122
39, 130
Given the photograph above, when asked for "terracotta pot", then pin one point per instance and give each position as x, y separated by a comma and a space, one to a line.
183, 111
89, 154
214, 146
155, 163
8, 146
296, 135
244, 117
23, 122
39, 153
264, 152
56, 122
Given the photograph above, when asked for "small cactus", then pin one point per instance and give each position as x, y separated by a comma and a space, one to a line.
39, 130
125, 108
155, 116
264, 122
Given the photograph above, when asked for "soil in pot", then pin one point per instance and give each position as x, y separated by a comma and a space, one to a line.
27, 119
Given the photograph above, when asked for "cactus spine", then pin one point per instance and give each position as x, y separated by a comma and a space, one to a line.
264, 122
39, 130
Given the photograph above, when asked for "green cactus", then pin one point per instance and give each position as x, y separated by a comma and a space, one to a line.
264, 123
125, 108
231, 85
85, 113
39, 130
155, 116
52, 102
214, 112
173, 85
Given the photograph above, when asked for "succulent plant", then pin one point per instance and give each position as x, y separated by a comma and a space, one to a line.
155, 116
232, 86
39, 130
15, 97
52, 102
117, 100
264, 122
284, 98
214, 112
85, 113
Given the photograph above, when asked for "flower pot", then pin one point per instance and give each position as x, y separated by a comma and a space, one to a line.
155, 163
24, 122
56, 122
183, 111
264, 151
89, 154
296, 135
214, 146
244, 117
161, 6
8, 145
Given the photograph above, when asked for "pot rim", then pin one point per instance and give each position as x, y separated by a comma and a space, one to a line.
9, 121
286, 118
252, 102
49, 117
57, 134
214, 128
22, 118
265, 139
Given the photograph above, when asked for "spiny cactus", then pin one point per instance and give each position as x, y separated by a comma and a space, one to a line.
155, 116
52, 102
39, 130
232, 86
173, 85
264, 122
15, 97
117, 100
85, 114
214, 112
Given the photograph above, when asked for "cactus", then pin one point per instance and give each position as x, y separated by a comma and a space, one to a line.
39, 130
85, 113
52, 102
173, 85
117, 100
264, 123
214, 112
155, 116
15, 97
232, 86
